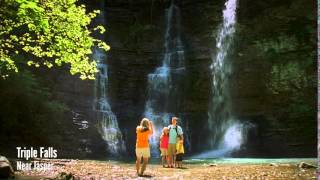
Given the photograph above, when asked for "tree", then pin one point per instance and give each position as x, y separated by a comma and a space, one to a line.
47, 33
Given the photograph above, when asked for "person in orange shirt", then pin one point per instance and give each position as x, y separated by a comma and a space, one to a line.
144, 130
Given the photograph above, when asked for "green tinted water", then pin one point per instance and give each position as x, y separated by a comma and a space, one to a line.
250, 161
224, 160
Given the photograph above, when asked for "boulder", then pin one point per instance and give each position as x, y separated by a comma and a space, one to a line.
64, 176
274, 164
213, 165
6, 170
305, 165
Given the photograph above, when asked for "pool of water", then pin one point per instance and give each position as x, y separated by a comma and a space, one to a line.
226, 160
250, 161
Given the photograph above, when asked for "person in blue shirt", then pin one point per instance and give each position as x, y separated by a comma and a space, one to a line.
174, 132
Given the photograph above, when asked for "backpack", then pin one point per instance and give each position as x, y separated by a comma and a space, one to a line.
176, 129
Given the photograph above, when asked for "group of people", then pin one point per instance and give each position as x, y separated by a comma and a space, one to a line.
171, 145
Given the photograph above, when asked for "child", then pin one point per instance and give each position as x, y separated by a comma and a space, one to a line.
180, 152
164, 141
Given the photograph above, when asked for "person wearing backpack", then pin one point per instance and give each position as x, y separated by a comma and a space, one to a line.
174, 132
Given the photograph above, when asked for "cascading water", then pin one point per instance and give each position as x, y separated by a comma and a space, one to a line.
226, 135
163, 82
107, 121
231, 140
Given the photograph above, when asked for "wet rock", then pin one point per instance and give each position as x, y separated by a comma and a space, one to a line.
306, 165
6, 170
64, 176
274, 164
213, 165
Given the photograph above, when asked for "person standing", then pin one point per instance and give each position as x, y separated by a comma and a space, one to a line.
174, 132
144, 131
164, 142
180, 152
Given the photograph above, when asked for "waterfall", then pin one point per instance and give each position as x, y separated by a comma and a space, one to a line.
162, 83
107, 120
225, 133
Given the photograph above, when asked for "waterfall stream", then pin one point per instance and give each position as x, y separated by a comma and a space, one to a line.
226, 134
220, 107
162, 83
107, 120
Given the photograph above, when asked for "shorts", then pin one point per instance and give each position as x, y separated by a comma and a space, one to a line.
171, 149
143, 152
179, 157
164, 152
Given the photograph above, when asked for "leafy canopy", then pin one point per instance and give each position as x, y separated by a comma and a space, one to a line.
47, 33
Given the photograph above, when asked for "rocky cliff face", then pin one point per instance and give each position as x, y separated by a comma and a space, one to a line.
275, 74
272, 85
78, 136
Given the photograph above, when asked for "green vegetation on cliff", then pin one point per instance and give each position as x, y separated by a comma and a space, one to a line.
281, 38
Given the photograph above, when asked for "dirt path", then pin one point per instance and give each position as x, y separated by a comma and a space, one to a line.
99, 170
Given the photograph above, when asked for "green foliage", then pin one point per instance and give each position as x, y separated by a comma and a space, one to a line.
277, 45
47, 33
